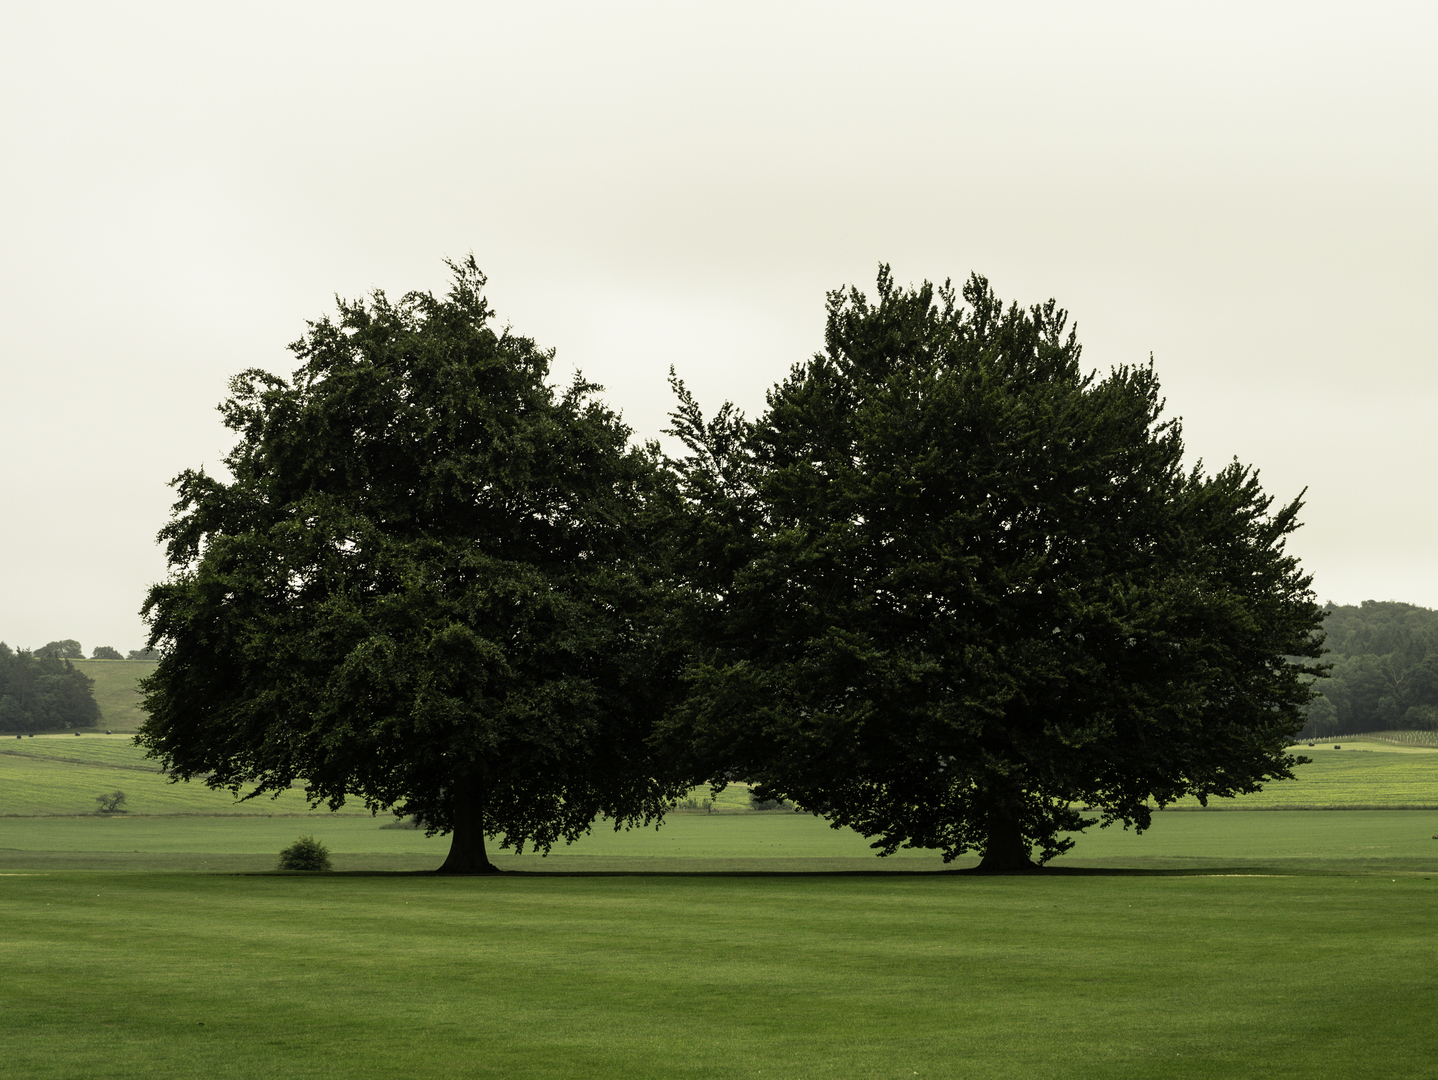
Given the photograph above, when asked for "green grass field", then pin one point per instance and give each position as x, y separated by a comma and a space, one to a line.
131, 975
1275, 944
63, 774
1367, 772
1297, 840
116, 692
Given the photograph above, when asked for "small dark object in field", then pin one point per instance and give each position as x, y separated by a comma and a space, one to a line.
110, 804
107, 731
306, 853
1337, 747
77, 734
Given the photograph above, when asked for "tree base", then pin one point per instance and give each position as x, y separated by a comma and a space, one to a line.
466, 842
485, 867
990, 864
1006, 852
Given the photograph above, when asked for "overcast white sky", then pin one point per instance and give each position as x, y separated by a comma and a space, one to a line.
1246, 191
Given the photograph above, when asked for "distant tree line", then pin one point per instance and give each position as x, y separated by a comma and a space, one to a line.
43, 692
1385, 670
70, 649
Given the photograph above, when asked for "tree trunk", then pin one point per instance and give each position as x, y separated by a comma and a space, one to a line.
1006, 851
466, 845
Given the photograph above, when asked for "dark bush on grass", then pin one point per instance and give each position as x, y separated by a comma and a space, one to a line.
306, 853
756, 803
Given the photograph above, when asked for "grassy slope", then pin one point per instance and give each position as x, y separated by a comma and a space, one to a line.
811, 976
63, 774
115, 690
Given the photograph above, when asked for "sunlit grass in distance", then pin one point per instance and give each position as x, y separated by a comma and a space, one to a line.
63, 774
116, 692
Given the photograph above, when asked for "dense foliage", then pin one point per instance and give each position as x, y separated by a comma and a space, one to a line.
1385, 670
430, 584
948, 587
43, 693
69, 649
105, 652
306, 853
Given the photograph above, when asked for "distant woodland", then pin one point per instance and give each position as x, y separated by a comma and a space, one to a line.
1385, 670
43, 693
1384, 656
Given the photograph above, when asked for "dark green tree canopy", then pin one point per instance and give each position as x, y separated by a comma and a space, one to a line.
1385, 670
428, 586
105, 652
952, 588
69, 649
43, 693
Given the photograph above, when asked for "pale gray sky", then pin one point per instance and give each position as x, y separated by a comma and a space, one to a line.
1244, 190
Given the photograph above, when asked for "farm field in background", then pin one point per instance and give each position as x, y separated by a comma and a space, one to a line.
1415, 739
1366, 772
116, 692
63, 774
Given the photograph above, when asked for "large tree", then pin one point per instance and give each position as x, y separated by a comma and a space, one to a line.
428, 585
949, 589
69, 649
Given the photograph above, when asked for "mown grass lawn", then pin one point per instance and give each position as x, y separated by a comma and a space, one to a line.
126, 975
1284, 840
1269, 944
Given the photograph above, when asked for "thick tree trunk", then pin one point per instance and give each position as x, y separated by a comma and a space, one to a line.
1006, 851
466, 846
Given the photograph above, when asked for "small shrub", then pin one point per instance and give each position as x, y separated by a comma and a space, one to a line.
110, 804
306, 853
707, 805
756, 803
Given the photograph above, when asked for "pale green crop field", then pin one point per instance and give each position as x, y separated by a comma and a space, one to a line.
63, 774
1364, 773
116, 692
